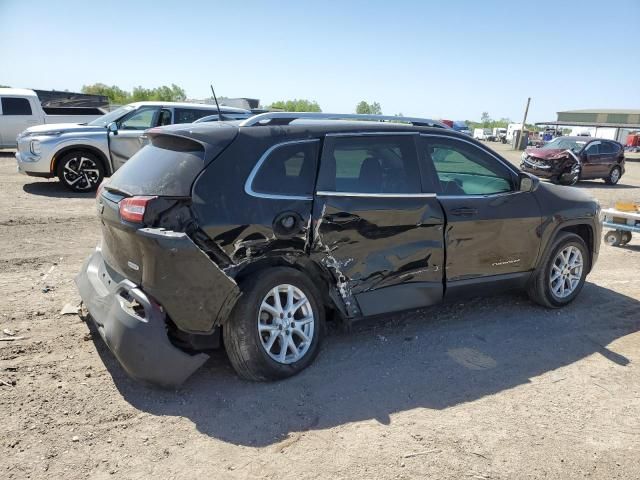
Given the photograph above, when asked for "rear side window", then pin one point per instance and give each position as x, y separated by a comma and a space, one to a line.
15, 106
189, 115
286, 170
608, 148
370, 164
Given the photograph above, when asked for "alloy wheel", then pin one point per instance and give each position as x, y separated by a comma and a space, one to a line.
81, 173
286, 324
566, 271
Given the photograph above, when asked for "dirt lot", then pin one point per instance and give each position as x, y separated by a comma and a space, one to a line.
489, 388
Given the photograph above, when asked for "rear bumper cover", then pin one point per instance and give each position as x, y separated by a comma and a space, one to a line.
136, 336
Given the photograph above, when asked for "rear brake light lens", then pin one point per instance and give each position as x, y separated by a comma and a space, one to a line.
132, 209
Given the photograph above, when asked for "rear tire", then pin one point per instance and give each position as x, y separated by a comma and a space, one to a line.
614, 176
561, 275
625, 238
80, 171
613, 238
261, 325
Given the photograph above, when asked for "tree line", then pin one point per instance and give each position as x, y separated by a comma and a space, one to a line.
174, 93
117, 95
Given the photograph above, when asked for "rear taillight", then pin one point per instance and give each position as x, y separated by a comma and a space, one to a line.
132, 209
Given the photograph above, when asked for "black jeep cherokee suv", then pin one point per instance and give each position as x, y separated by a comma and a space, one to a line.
254, 232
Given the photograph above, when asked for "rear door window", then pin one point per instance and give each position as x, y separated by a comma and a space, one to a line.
189, 115
15, 106
372, 164
287, 170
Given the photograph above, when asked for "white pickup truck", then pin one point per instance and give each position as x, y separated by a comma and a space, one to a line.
21, 109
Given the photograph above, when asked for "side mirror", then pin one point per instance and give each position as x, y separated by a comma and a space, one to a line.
113, 128
528, 183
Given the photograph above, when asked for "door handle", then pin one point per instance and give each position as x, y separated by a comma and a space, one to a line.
341, 218
464, 211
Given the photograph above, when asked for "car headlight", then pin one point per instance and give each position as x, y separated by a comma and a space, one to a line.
524, 156
34, 147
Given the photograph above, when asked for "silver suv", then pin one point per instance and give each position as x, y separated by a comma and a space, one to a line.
81, 155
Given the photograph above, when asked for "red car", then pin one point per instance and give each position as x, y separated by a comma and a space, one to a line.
566, 160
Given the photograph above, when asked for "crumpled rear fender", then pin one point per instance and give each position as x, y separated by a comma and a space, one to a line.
194, 291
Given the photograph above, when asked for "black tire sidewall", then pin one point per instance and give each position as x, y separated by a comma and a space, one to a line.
66, 157
243, 321
608, 179
572, 240
616, 235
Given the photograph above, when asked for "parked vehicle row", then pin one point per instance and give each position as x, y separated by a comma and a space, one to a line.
21, 109
251, 234
81, 155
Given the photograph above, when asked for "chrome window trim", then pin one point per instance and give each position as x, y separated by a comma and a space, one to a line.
326, 193
368, 134
248, 184
477, 195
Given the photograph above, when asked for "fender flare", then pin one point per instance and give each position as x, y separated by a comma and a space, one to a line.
105, 162
557, 230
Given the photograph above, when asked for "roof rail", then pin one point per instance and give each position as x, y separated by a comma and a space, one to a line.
285, 118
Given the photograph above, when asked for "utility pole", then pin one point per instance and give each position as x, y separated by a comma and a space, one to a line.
524, 121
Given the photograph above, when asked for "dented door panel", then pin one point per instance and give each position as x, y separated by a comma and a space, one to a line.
491, 235
369, 243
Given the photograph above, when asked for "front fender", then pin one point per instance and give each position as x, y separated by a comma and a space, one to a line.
96, 144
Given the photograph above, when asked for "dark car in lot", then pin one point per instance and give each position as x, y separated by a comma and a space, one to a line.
251, 234
567, 160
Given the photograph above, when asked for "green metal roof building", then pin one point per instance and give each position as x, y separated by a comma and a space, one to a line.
606, 123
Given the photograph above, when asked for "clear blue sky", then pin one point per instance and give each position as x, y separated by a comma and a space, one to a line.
443, 59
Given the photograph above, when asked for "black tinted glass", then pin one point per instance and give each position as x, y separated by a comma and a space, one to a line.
168, 167
189, 115
607, 148
15, 106
288, 170
593, 149
370, 164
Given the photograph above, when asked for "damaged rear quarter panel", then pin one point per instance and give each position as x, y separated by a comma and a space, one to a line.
196, 294
245, 227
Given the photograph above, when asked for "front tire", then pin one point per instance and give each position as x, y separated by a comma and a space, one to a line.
614, 176
80, 171
562, 274
276, 328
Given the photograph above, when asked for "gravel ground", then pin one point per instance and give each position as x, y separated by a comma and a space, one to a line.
489, 388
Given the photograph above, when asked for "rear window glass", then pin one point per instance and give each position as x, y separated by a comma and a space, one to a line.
288, 170
167, 167
15, 106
